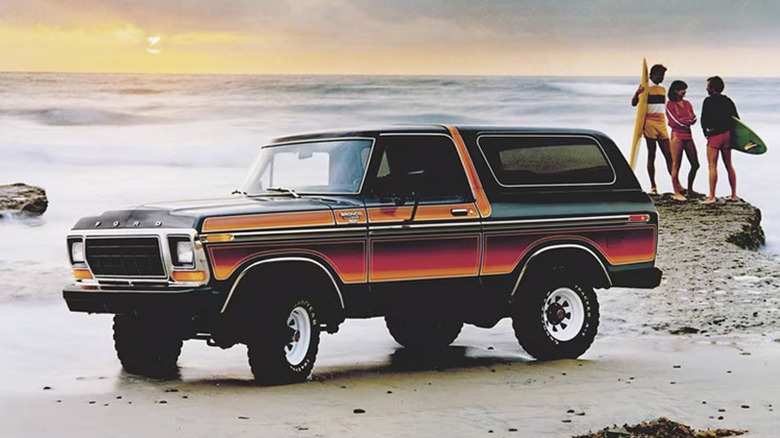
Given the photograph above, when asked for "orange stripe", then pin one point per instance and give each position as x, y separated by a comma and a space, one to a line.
347, 258
424, 213
471, 172
275, 220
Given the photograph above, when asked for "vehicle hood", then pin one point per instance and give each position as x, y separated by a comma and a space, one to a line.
192, 213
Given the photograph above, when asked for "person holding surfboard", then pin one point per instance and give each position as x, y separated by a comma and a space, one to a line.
654, 129
717, 121
681, 116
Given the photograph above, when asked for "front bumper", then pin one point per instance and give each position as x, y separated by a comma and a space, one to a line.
188, 302
646, 278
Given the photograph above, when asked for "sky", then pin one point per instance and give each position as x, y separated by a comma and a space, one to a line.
396, 37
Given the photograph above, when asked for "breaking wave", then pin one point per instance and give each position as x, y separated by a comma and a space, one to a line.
85, 117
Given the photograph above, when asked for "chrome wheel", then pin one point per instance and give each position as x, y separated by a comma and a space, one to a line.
297, 346
564, 314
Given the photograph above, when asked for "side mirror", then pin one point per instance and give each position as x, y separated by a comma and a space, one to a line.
412, 184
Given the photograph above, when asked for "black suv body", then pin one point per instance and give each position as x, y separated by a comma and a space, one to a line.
428, 226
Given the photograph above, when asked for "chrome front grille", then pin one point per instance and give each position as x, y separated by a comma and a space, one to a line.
125, 257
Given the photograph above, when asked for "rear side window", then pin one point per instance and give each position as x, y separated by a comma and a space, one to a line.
544, 161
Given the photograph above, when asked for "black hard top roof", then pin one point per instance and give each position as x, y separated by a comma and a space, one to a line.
372, 131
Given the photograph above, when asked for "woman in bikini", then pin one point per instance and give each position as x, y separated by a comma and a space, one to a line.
680, 117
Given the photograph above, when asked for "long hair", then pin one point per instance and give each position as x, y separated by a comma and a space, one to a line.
676, 86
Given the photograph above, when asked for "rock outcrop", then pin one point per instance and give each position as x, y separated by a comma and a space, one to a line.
735, 222
716, 278
22, 200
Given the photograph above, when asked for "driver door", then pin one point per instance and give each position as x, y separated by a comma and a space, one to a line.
440, 236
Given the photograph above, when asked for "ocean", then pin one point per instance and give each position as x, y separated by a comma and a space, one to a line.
97, 142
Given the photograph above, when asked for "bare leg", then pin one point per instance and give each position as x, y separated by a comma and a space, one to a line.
693, 159
667, 153
731, 173
651, 165
676, 147
712, 160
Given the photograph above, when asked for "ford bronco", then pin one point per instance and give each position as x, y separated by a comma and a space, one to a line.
429, 226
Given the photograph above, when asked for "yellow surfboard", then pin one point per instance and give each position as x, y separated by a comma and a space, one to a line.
641, 109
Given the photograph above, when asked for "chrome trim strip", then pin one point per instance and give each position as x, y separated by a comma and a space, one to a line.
606, 158
406, 134
559, 222
341, 231
563, 246
281, 259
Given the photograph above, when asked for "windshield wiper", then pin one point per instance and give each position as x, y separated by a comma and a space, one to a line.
284, 190
238, 192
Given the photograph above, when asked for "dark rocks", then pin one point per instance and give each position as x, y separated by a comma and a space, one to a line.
660, 428
22, 200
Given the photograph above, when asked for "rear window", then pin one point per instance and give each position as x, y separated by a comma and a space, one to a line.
534, 160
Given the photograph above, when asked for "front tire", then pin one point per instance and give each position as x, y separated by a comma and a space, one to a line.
285, 348
147, 346
556, 319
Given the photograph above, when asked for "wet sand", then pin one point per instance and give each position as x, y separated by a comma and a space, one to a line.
364, 385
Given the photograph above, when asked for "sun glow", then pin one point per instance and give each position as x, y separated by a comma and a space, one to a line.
154, 46
119, 49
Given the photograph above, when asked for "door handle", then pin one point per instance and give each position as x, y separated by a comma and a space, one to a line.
460, 211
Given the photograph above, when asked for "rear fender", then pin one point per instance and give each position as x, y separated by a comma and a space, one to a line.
570, 259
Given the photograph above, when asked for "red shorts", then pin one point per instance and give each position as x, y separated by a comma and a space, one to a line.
720, 141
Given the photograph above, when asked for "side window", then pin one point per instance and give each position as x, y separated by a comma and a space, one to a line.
534, 161
428, 164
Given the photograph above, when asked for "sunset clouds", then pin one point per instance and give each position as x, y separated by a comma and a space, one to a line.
555, 37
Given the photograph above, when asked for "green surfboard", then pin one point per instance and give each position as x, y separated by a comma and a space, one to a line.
743, 139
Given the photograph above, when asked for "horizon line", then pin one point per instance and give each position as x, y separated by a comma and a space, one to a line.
487, 75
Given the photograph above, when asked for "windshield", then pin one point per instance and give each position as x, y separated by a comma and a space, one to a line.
325, 166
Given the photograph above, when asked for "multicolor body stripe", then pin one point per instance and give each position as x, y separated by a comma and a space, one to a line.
381, 244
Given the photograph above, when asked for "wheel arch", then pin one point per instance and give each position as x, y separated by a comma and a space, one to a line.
306, 269
592, 267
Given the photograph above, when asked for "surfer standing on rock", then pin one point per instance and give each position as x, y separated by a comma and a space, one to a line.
681, 117
655, 122
717, 122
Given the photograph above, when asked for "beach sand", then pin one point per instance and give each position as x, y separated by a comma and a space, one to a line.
702, 349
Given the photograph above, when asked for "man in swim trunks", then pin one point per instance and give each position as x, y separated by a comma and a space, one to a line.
717, 123
655, 122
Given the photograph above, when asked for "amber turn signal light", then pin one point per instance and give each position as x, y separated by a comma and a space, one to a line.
82, 274
216, 238
189, 276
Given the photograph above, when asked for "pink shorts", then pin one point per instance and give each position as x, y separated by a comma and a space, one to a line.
720, 141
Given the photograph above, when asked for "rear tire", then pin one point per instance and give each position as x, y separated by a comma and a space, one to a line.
556, 319
147, 346
284, 348
422, 332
